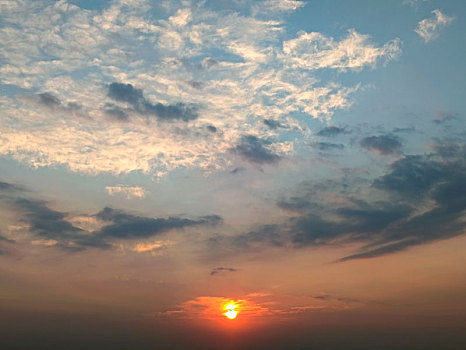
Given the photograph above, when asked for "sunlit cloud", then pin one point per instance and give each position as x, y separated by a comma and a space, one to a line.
428, 29
215, 77
151, 247
127, 191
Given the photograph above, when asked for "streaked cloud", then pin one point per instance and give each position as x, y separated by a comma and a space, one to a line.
222, 269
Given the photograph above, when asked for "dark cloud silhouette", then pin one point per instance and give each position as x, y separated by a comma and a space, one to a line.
52, 103
128, 226
195, 84
237, 170
297, 203
211, 128
4, 239
383, 144
435, 181
127, 93
266, 233
221, 269
7, 187
450, 149
413, 175
254, 150
327, 146
51, 224
330, 131
44, 221
272, 124
49, 100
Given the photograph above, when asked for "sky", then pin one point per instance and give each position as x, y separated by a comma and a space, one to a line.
303, 160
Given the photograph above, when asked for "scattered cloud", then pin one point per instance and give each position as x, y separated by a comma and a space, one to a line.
127, 226
127, 93
56, 228
127, 191
273, 124
255, 150
383, 144
428, 29
426, 203
316, 51
237, 65
222, 269
327, 146
330, 131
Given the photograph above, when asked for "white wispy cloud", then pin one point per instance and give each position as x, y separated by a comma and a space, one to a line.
127, 191
428, 29
315, 51
235, 68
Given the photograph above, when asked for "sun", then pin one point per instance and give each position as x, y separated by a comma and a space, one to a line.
231, 313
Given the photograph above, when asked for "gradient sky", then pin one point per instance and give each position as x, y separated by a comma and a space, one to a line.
304, 159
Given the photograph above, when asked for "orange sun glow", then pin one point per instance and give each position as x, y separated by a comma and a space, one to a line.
231, 313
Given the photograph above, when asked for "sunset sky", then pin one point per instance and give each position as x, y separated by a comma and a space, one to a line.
303, 161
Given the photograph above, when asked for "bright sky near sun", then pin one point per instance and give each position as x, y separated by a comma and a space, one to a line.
230, 161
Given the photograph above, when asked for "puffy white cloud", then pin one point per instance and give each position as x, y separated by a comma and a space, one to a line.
428, 29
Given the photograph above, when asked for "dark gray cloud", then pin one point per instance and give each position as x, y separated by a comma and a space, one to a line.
49, 100
195, 84
45, 222
127, 93
222, 269
127, 226
413, 175
357, 223
330, 131
237, 170
7, 187
450, 149
327, 146
383, 144
273, 124
435, 182
54, 103
254, 150
404, 130
266, 233
297, 203
4, 239
115, 112
211, 128
51, 224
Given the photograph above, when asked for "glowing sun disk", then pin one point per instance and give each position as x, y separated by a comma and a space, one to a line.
231, 313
